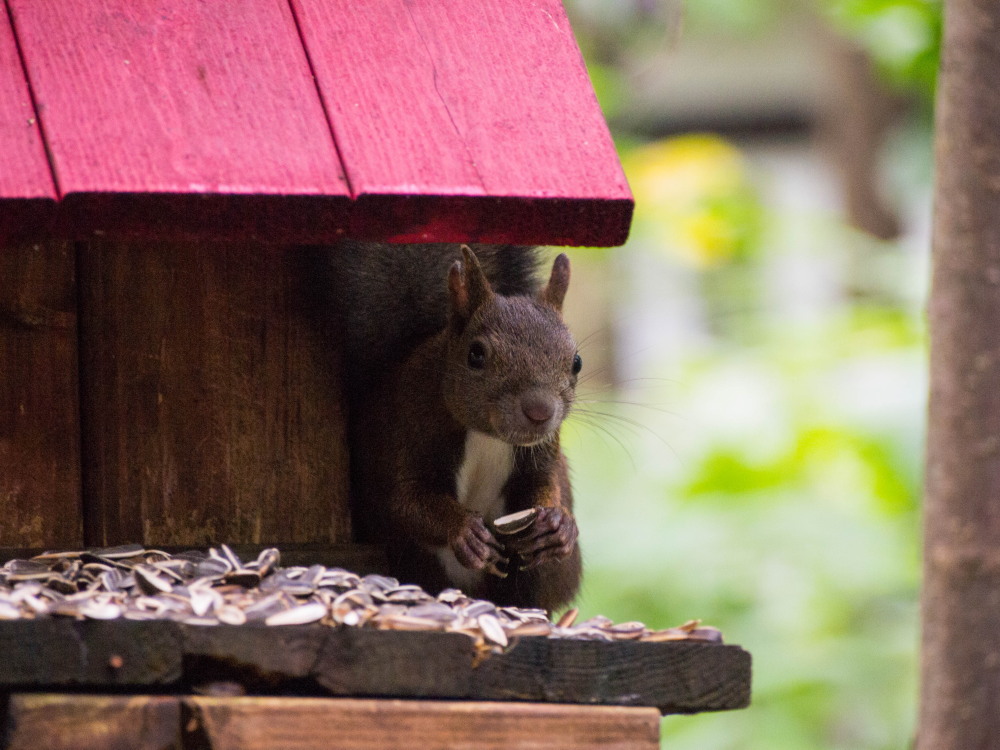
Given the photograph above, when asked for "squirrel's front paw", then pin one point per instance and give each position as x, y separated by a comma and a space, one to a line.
551, 536
476, 548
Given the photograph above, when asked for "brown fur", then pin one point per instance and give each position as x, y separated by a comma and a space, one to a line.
409, 433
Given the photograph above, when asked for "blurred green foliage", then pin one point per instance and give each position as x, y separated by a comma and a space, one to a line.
782, 509
697, 201
764, 475
902, 36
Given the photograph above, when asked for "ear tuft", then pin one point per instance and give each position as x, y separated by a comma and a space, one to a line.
555, 291
468, 286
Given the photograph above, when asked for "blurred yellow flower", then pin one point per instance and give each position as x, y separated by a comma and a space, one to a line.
694, 198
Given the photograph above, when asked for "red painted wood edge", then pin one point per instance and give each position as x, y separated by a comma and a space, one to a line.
553, 221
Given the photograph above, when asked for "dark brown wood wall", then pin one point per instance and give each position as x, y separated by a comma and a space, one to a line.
206, 406
40, 501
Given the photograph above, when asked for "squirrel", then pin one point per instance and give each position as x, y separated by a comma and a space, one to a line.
460, 372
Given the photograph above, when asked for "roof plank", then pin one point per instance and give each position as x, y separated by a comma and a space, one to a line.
177, 99
484, 108
25, 172
188, 120
25, 181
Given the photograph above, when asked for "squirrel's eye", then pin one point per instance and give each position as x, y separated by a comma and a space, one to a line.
477, 355
577, 364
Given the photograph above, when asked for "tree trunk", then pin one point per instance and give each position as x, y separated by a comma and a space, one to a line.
961, 600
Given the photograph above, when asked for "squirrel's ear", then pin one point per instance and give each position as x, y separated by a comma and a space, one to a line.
468, 286
555, 291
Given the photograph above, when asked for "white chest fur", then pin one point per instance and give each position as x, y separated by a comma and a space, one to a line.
486, 465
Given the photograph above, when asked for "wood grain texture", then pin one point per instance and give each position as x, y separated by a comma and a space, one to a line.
305, 723
211, 406
93, 722
26, 190
62, 652
25, 172
39, 418
184, 103
678, 677
486, 107
191, 120
684, 677
155, 722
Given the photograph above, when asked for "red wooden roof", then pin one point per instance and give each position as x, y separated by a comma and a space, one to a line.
305, 120
26, 189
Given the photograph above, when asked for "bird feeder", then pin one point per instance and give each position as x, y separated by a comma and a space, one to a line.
166, 380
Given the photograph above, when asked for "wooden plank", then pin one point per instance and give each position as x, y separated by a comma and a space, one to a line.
484, 109
304, 723
155, 722
25, 172
190, 120
211, 404
93, 722
26, 189
683, 677
62, 652
39, 418
187, 104
677, 677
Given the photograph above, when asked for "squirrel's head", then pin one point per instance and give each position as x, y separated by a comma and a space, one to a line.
512, 364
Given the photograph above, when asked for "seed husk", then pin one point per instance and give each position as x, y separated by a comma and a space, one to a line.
301, 615
568, 618
200, 588
513, 523
492, 629
230, 615
119, 552
150, 581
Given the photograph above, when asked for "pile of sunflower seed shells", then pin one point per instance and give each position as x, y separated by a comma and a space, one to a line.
216, 587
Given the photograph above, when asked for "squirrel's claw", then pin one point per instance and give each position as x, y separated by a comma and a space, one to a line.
476, 548
552, 536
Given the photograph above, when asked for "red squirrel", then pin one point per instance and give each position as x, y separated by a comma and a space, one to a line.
455, 417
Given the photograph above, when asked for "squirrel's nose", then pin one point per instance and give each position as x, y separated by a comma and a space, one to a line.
538, 408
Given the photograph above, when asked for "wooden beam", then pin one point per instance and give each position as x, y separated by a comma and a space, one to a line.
211, 408
110, 654
39, 419
93, 722
674, 677
304, 723
144, 722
